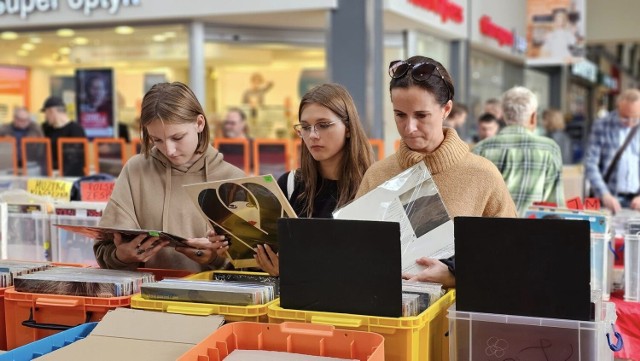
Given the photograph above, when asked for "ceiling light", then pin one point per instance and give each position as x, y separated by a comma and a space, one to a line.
81, 40
28, 46
22, 52
9, 35
159, 38
65, 33
170, 34
35, 40
124, 30
65, 50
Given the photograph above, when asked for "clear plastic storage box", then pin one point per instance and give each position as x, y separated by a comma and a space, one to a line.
483, 336
601, 264
631, 268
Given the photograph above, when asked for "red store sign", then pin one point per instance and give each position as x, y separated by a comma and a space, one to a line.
445, 8
492, 30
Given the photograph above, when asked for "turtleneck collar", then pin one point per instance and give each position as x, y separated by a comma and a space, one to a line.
450, 152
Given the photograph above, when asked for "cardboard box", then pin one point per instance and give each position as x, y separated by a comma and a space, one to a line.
126, 334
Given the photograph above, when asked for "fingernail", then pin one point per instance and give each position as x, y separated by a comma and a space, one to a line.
225, 243
223, 237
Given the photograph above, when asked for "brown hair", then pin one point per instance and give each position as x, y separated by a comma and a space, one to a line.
553, 120
442, 89
357, 152
172, 103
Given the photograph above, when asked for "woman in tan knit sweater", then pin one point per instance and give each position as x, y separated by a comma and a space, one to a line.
422, 96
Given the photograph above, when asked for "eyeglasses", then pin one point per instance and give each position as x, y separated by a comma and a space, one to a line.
318, 128
420, 72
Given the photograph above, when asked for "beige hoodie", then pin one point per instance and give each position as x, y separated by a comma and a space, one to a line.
149, 195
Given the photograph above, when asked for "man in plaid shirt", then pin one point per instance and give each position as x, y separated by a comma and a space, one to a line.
531, 165
607, 136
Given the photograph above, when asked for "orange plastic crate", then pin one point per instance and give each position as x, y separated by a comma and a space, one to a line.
3, 331
3, 328
301, 338
51, 313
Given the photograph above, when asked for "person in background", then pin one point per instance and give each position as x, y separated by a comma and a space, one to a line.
422, 95
148, 194
457, 117
531, 165
20, 127
553, 123
494, 106
58, 125
488, 126
334, 158
617, 186
234, 125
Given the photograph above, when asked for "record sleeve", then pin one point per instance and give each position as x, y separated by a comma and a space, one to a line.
106, 234
412, 199
246, 210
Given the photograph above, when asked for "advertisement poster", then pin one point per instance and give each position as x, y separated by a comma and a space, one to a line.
555, 31
94, 102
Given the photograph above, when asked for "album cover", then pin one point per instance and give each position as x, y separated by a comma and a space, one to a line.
412, 199
106, 234
246, 210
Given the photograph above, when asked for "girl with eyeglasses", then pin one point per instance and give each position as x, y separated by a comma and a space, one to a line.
334, 158
422, 96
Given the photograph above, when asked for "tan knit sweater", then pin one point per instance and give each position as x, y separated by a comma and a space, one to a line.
469, 184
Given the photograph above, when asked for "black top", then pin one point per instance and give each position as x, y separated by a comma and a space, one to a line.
72, 129
326, 196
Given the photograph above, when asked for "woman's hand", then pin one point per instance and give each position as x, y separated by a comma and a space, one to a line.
140, 249
206, 250
435, 271
267, 259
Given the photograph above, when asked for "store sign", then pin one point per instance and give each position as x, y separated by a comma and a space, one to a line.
586, 70
24, 8
490, 29
445, 8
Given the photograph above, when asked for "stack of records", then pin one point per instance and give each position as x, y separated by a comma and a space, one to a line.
418, 296
86, 282
247, 277
214, 292
11, 269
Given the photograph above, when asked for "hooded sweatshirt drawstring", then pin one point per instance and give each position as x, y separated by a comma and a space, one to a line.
167, 196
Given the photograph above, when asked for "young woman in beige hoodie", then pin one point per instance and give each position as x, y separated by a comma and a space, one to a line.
148, 194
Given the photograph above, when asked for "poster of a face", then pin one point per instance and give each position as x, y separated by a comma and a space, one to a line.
556, 31
94, 102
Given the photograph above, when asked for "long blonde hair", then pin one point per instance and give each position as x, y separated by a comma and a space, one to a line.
171, 103
357, 152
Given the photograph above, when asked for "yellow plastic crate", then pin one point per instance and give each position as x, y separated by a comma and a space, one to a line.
420, 338
257, 313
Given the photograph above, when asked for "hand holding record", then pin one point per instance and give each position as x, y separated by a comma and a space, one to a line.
140, 249
207, 249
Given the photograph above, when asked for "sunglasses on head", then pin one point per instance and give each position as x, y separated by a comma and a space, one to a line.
420, 72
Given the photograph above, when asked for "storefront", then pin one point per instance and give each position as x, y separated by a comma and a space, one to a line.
147, 42
427, 30
497, 53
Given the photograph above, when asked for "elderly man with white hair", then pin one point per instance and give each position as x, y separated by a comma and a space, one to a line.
531, 165
613, 162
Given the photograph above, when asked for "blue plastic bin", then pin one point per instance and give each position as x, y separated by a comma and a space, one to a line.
49, 344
